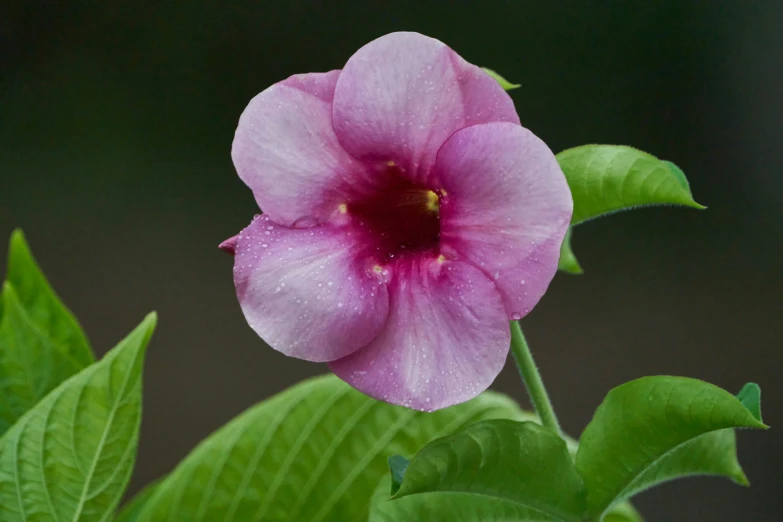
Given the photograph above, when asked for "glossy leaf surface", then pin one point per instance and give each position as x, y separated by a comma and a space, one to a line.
609, 178
656, 429
494, 470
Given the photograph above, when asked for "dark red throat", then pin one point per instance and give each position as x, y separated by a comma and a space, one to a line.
402, 216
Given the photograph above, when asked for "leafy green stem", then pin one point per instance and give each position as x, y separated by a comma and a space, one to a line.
532, 378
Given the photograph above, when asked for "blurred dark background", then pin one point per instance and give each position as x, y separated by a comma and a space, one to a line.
116, 121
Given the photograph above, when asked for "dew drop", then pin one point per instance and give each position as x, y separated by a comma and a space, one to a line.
516, 316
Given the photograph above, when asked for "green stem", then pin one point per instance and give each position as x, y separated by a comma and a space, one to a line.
532, 379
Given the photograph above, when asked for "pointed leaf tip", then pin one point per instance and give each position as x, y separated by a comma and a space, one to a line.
656, 429
609, 178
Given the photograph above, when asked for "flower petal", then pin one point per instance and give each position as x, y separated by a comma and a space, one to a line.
286, 151
506, 210
307, 292
401, 96
446, 339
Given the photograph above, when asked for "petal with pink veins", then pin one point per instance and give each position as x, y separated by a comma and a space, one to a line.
286, 151
506, 209
446, 339
401, 96
309, 293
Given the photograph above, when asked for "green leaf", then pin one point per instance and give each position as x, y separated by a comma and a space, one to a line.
397, 465
623, 512
750, 397
568, 262
507, 85
491, 471
314, 452
43, 306
31, 364
610, 178
70, 457
130, 512
656, 429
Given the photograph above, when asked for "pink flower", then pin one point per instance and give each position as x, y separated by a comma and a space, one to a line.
407, 217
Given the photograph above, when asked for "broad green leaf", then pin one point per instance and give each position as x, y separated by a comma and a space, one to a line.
314, 452
622, 512
494, 470
130, 512
507, 85
750, 397
70, 457
568, 262
397, 465
43, 306
31, 364
656, 429
609, 178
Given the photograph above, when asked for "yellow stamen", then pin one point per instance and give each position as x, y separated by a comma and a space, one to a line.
377, 269
390, 164
343, 208
441, 259
432, 201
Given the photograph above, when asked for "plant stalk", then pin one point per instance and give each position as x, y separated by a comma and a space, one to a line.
532, 379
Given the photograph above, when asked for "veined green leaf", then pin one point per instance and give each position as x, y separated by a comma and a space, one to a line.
314, 452
656, 429
495, 470
568, 262
31, 364
610, 178
70, 457
507, 85
621, 512
43, 306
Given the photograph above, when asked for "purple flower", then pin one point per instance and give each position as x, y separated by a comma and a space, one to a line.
407, 217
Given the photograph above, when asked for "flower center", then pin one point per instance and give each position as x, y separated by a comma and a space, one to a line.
402, 217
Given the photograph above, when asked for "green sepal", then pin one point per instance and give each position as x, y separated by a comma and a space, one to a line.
507, 85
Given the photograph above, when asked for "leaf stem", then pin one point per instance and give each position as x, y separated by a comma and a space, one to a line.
532, 378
